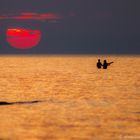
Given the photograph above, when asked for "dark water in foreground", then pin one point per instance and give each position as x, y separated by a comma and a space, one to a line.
67, 98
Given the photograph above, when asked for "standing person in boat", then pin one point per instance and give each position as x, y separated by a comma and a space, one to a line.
99, 64
105, 64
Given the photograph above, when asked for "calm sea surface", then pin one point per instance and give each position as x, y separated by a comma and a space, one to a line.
76, 101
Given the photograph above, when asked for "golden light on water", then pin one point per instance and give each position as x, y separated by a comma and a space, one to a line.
78, 101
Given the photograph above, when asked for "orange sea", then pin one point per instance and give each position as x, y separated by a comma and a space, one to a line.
77, 101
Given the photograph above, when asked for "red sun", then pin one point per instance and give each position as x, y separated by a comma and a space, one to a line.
23, 38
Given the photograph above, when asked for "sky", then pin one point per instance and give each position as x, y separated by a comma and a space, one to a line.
70, 26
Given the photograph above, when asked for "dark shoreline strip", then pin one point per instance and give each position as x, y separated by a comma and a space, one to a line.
12, 103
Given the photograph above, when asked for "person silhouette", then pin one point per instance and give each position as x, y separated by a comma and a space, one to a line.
105, 64
99, 64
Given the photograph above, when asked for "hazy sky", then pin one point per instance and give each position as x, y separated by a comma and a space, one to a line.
74, 26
